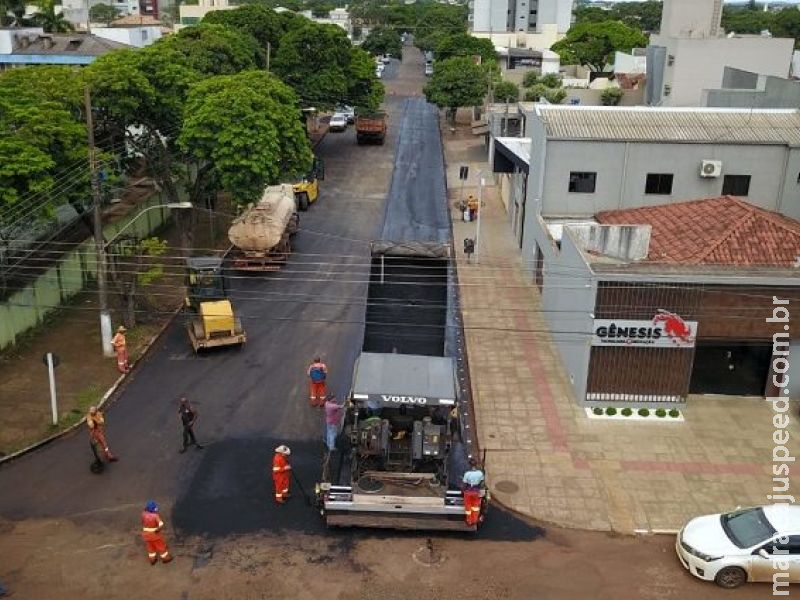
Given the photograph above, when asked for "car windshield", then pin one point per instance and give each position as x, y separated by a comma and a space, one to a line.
747, 527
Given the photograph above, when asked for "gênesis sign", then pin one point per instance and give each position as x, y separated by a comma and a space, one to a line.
664, 330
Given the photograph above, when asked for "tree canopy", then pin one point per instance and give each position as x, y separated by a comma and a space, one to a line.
245, 132
262, 23
383, 40
103, 13
594, 44
463, 44
215, 49
456, 82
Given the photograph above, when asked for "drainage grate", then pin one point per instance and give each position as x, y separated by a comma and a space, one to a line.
506, 487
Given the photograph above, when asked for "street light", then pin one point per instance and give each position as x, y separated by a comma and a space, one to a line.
105, 314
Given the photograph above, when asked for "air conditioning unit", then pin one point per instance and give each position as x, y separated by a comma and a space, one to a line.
711, 168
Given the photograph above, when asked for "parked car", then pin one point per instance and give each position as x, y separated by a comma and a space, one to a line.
386, 59
349, 112
338, 122
428, 70
734, 548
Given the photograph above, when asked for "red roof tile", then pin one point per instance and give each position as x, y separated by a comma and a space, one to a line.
714, 231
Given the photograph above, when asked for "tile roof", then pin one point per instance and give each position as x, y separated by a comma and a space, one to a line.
714, 231
681, 125
79, 44
136, 21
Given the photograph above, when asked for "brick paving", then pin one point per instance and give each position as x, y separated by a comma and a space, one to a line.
544, 457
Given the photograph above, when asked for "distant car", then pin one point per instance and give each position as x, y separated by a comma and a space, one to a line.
338, 122
349, 112
428, 70
379, 73
744, 545
386, 59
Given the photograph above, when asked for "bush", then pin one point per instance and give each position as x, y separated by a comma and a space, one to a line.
611, 411
552, 95
597, 410
506, 91
644, 412
611, 96
674, 413
626, 412
661, 413
555, 96
532, 78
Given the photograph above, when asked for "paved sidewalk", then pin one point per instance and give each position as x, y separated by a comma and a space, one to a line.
545, 458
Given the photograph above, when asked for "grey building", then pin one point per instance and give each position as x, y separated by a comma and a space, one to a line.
746, 89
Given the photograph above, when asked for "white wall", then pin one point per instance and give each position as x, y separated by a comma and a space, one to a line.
7, 36
133, 36
691, 17
484, 20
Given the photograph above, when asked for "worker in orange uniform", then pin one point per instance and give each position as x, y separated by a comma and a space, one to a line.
317, 375
96, 423
121, 348
472, 491
151, 534
281, 476
472, 205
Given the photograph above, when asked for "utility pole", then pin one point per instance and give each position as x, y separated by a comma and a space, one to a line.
99, 242
269, 51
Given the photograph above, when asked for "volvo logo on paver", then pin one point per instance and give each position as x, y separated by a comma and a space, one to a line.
405, 399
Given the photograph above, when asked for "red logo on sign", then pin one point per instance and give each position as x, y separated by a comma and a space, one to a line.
674, 326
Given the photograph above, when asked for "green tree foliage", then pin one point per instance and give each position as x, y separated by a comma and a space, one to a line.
61, 84
551, 80
245, 132
463, 44
611, 96
49, 19
640, 15
743, 20
11, 12
539, 91
506, 91
786, 23
257, 20
456, 82
594, 44
215, 49
363, 90
103, 13
383, 40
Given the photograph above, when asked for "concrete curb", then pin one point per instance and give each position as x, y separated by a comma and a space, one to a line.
103, 401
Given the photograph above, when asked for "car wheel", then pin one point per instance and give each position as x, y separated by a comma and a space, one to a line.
302, 201
731, 577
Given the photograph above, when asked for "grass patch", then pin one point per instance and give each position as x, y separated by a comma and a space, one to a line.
89, 396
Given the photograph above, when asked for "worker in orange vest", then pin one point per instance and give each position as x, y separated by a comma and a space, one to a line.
317, 375
472, 491
96, 423
151, 534
121, 348
281, 476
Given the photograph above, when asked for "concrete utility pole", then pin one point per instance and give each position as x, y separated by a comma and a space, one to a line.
105, 315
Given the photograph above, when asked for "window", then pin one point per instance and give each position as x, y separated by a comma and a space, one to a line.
776, 547
670, 60
667, 90
144, 35
582, 182
736, 185
658, 183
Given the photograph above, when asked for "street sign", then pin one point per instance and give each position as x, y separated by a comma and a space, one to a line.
56, 360
463, 173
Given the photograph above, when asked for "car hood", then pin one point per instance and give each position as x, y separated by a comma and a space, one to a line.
707, 535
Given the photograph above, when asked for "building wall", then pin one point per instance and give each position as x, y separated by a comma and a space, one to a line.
622, 169
490, 15
514, 39
744, 89
699, 64
700, 18
133, 36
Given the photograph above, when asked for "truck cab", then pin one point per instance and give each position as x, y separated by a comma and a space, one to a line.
400, 457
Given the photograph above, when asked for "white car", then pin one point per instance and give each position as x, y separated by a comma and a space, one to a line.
750, 544
386, 59
338, 122
347, 111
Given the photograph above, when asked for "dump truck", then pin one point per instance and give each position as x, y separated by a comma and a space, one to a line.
400, 457
213, 322
262, 234
370, 127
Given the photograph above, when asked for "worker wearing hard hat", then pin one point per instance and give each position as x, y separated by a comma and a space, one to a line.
281, 476
472, 491
151, 534
121, 348
96, 423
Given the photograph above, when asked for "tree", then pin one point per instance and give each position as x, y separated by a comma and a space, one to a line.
550, 80
594, 44
48, 19
244, 131
264, 24
383, 40
364, 90
539, 91
456, 82
506, 91
743, 20
103, 13
611, 96
132, 266
214, 49
786, 23
12, 12
463, 44
639, 15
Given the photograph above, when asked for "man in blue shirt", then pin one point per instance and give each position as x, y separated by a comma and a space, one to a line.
472, 489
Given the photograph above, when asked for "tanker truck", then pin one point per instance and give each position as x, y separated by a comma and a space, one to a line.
261, 235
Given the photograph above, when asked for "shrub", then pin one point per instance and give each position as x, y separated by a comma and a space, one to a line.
644, 412
661, 413
597, 410
506, 91
674, 413
611, 411
626, 412
611, 96
555, 95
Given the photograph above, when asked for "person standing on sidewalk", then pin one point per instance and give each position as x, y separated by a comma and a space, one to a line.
281, 473
473, 205
188, 417
333, 419
96, 423
121, 348
317, 374
151, 534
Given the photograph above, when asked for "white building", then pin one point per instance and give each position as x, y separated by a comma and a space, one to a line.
133, 30
521, 23
338, 16
192, 14
690, 53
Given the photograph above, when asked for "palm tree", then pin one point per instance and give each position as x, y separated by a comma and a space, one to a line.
51, 21
12, 12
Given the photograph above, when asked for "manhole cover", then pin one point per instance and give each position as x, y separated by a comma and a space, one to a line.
370, 485
506, 487
428, 555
